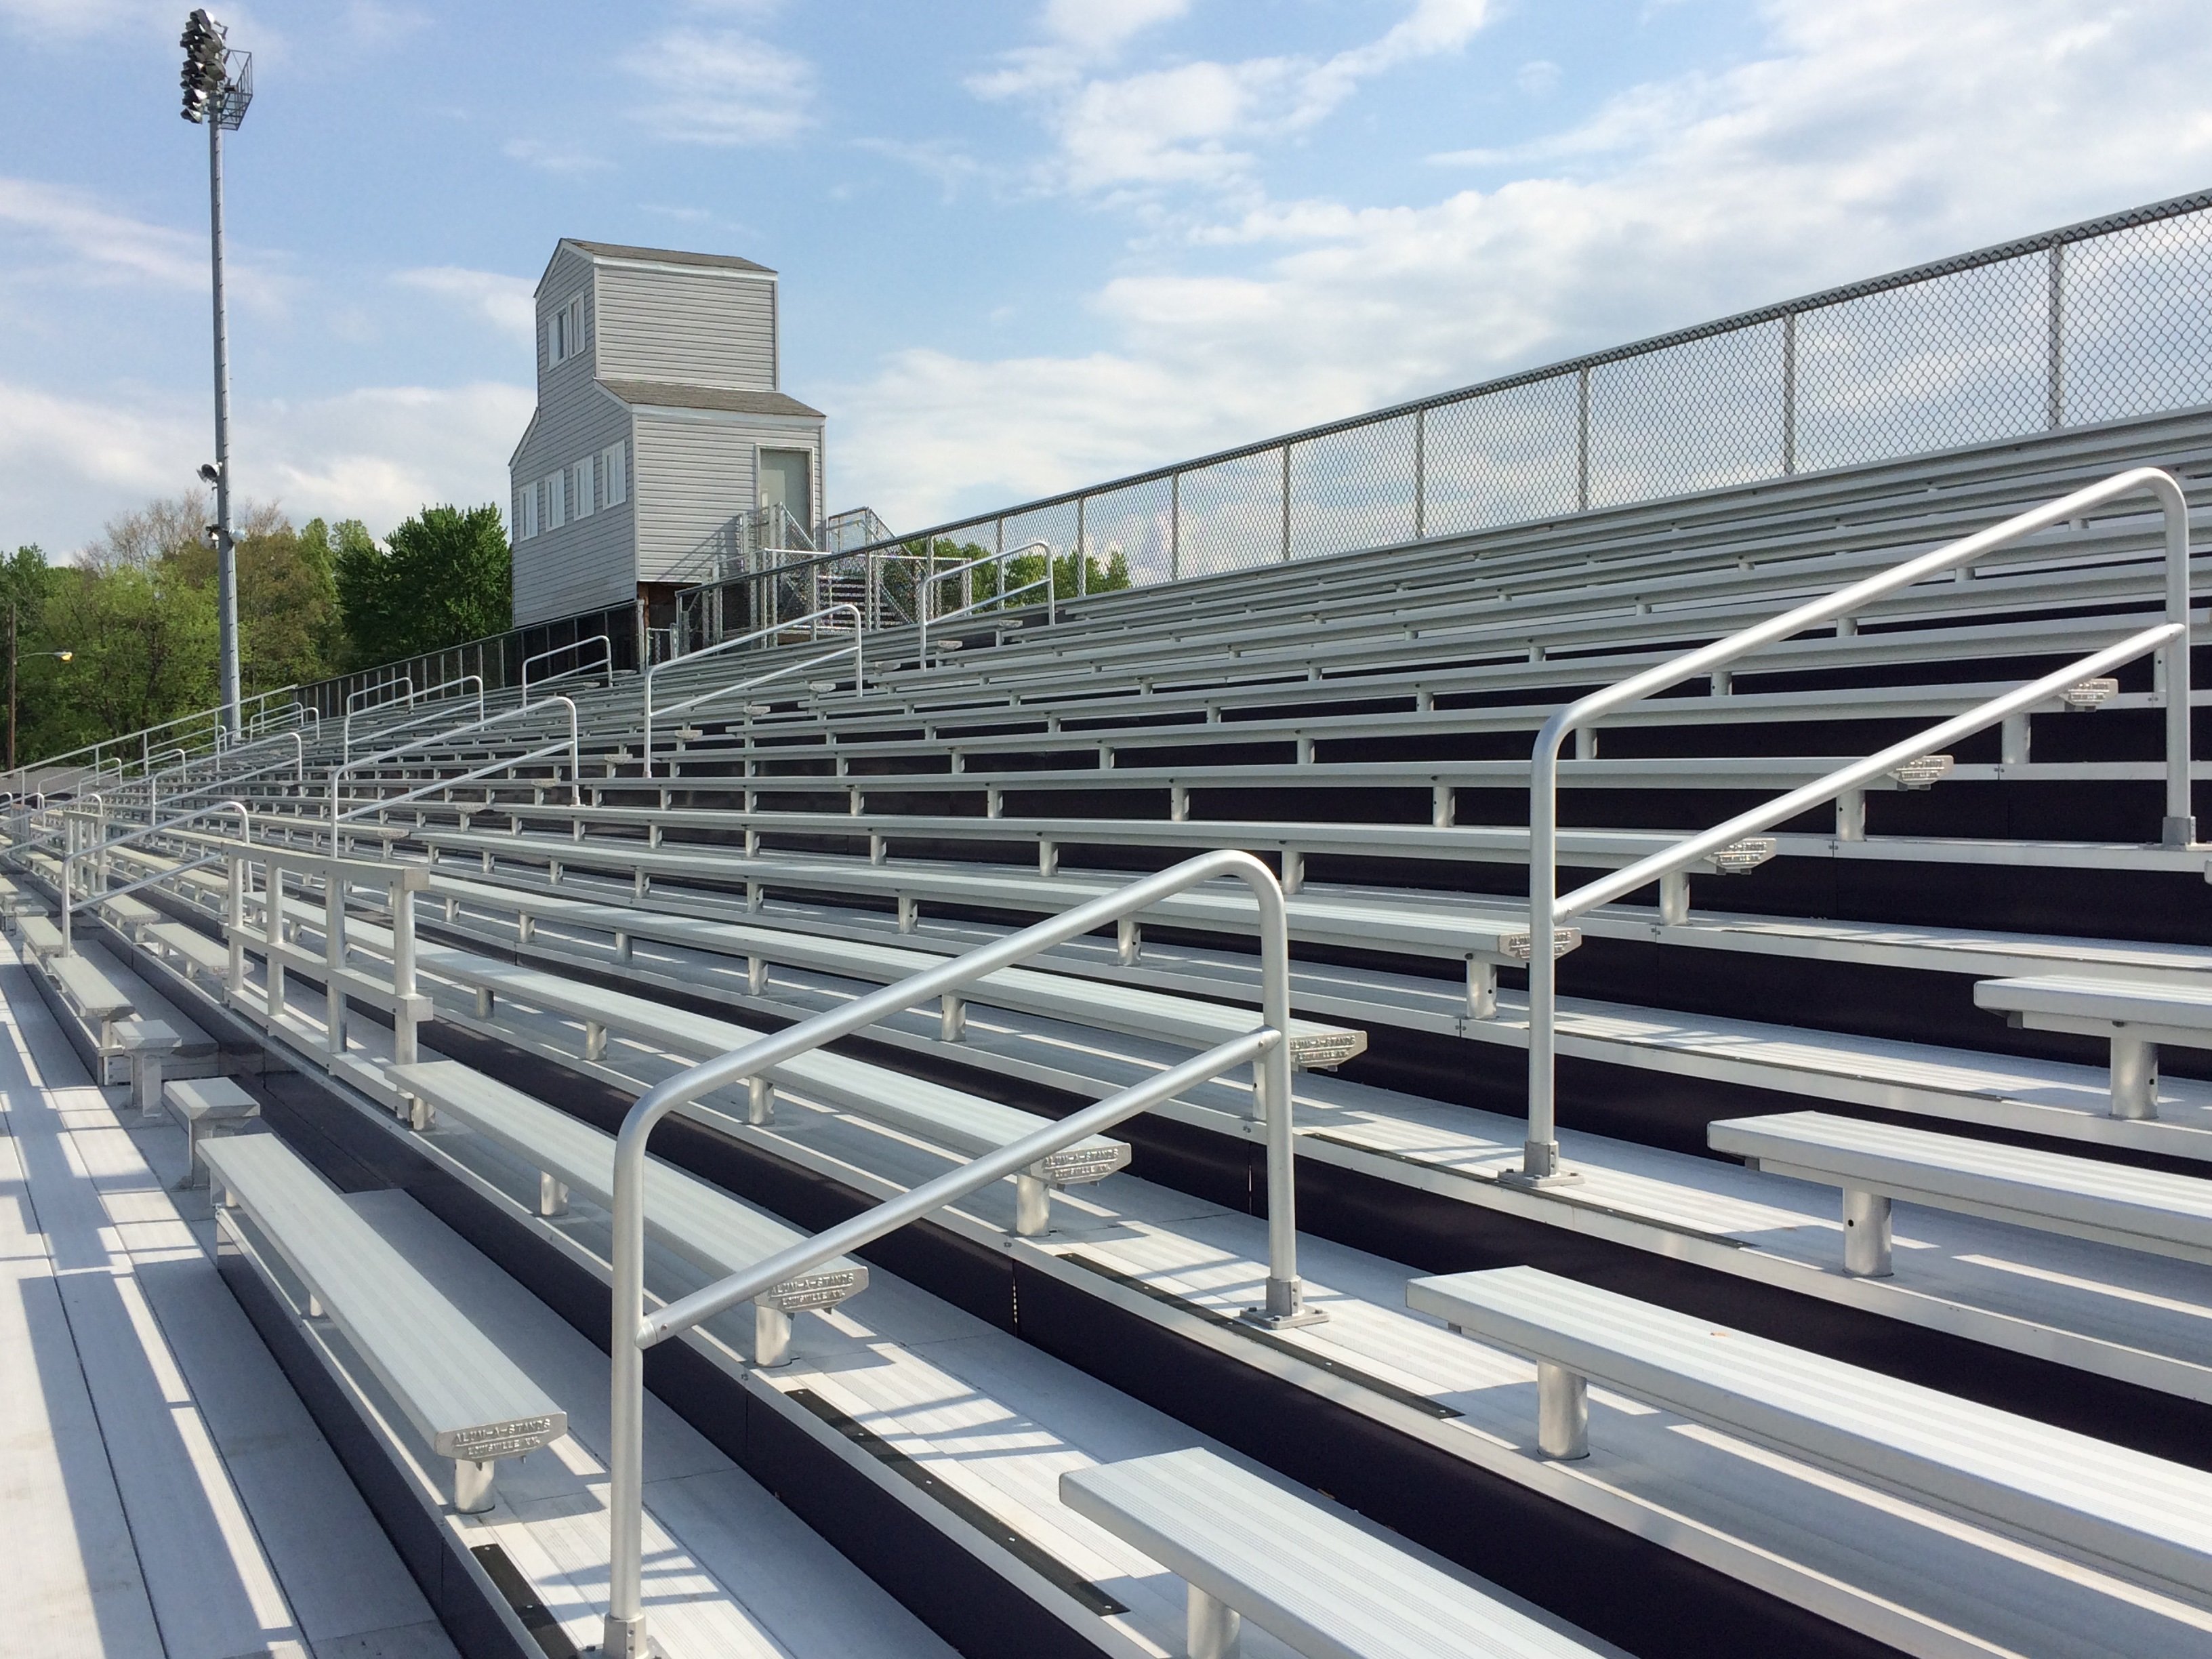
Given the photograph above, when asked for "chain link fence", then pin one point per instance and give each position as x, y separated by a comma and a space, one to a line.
2096, 322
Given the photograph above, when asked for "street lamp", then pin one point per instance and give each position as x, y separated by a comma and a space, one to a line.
12, 658
218, 85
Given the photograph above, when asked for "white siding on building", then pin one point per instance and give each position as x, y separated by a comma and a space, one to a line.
708, 328
695, 475
587, 562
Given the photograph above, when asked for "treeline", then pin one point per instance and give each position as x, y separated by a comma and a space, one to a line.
136, 611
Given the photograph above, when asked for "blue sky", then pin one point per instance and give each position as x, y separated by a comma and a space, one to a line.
1023, 245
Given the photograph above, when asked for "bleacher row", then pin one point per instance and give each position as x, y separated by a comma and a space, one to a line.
1887, 1258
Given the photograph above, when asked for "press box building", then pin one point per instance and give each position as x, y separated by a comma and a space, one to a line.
661, 425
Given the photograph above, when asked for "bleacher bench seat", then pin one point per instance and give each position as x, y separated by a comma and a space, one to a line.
2137, 1516
467, 1399
706, 1226
2134, 1017
2085, 1198
1246, 1549
207, 1107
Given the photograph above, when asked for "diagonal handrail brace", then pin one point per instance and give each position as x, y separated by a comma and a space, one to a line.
573, 746
1540, 1154
1268, 1046
856, 650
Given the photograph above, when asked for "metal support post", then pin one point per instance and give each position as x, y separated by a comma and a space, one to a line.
226, 550
1562, 1413
2135, 1077
1211, 1628
1866, 1234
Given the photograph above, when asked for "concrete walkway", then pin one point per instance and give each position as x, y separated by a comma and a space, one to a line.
163, 1493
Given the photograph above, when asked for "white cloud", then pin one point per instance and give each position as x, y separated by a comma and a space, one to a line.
1192, 123
378, 453
67, 235
1865, 134
508, 303
1538, 78
721, 87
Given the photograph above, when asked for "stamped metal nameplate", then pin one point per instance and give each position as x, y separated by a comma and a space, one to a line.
817, 1290
1073, 1165
487, 1440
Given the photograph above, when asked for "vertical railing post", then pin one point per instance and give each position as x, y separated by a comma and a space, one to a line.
2179, 828
1421, 472
334, 1000
1175, 526
1539, 1157
1286, 503
1581, 439
235, 927
2054, 339
1788, 394
402, 971
1082, 547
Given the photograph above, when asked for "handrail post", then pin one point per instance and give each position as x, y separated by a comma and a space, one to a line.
2179, 828
1540, 1153
630, 1332
404, 1050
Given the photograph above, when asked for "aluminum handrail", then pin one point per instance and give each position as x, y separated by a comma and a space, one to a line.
1540, 1153
345, 727
857, 649
923, 583
141, 738
606, 652
108, 843
632, 1331
574, 747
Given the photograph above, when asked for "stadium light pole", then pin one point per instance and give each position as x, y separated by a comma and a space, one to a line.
218, 85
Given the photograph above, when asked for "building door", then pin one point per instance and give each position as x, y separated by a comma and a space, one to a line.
786, 481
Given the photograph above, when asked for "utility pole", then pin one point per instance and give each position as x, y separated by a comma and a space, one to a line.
218, 85
11, 683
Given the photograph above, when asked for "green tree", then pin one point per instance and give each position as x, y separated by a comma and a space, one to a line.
287, 604
144, 645
442, 578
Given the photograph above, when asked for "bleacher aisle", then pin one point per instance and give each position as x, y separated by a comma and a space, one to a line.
164, 1494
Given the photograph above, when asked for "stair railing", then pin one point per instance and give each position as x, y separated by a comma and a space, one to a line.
1547, 908
968, 605
1266, 1046
856, 648
607, 661
573, 747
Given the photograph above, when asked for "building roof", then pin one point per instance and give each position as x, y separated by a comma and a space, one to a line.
667, 394
666, 256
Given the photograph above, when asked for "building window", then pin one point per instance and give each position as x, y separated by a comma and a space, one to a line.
582, 473
614, 469
557, 501
564, 334
525, 513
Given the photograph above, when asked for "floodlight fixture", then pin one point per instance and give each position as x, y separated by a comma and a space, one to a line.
210, 473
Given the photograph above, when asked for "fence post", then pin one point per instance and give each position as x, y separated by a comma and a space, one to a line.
1175, 526
1421, 472
1082, 548
1788, 394
2055, 396
1581, 439
1286, 503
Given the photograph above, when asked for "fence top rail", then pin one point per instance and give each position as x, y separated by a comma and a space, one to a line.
1995, 253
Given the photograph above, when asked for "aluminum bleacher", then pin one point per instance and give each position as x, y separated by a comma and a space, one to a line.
1221, 1119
